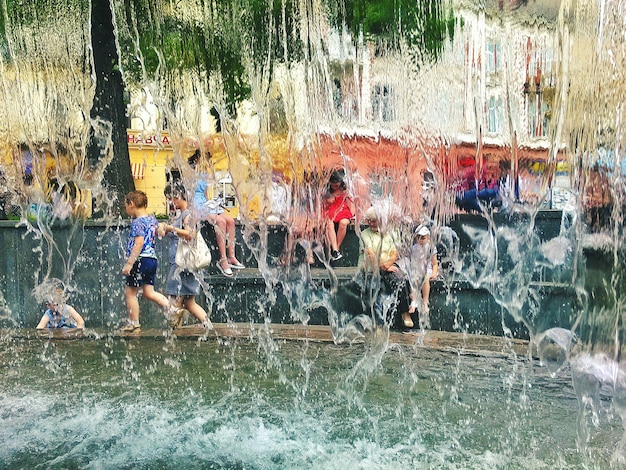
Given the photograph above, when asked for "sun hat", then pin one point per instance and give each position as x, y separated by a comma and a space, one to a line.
422, 231
370, 214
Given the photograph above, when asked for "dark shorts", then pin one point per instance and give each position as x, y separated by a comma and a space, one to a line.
143, 272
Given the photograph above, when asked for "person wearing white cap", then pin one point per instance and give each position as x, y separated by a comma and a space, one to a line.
423, 268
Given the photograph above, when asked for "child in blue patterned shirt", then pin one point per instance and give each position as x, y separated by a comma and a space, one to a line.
60, 315
141, 262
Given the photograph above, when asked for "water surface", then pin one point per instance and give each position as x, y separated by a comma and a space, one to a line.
232, 403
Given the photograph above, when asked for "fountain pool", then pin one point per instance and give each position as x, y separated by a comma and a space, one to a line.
111, 402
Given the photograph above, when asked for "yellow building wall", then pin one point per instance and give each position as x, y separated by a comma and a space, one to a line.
154, 180
151, 153
150, 156
154, 153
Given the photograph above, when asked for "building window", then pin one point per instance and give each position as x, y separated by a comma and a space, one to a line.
493, 57
382, 104
344, 99
541, 61
538, 121
381, 186
138, 170
337, 96
548, 72
495, 115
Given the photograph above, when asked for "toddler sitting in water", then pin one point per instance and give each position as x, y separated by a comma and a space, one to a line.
60, 315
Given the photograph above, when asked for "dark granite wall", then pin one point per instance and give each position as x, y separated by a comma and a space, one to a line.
94, 254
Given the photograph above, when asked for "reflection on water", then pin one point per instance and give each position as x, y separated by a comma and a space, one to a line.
114, 403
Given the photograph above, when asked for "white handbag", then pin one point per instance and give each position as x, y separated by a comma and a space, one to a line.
194, 254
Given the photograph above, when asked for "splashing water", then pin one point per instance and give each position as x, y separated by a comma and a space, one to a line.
186, 403
500, 112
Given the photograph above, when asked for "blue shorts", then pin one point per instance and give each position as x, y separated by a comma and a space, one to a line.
143, 272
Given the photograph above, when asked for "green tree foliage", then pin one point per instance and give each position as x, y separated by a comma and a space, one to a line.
422, 25
222, 41
32, 17
218, 37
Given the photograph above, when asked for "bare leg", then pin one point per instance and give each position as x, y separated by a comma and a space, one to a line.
229, 223
132, 303
176, 301
189, 302
219, 224
309, 253
156, 297
175, 315
230, 235
342, 229
426, 293
305, 237
425, 314
331, 236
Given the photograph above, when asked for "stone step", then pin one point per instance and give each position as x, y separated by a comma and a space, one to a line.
306, 295
456, 304
459, 343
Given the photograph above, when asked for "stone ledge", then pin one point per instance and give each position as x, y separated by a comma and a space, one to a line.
347, 274
458, 343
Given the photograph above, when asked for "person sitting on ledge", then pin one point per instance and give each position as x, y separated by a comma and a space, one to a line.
423, 267
473, 195
378, 261
340, 211
60, 315
211, 210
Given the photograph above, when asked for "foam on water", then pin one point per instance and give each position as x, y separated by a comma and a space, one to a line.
226, 407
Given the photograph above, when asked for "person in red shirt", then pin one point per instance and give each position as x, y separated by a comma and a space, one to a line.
340, 211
